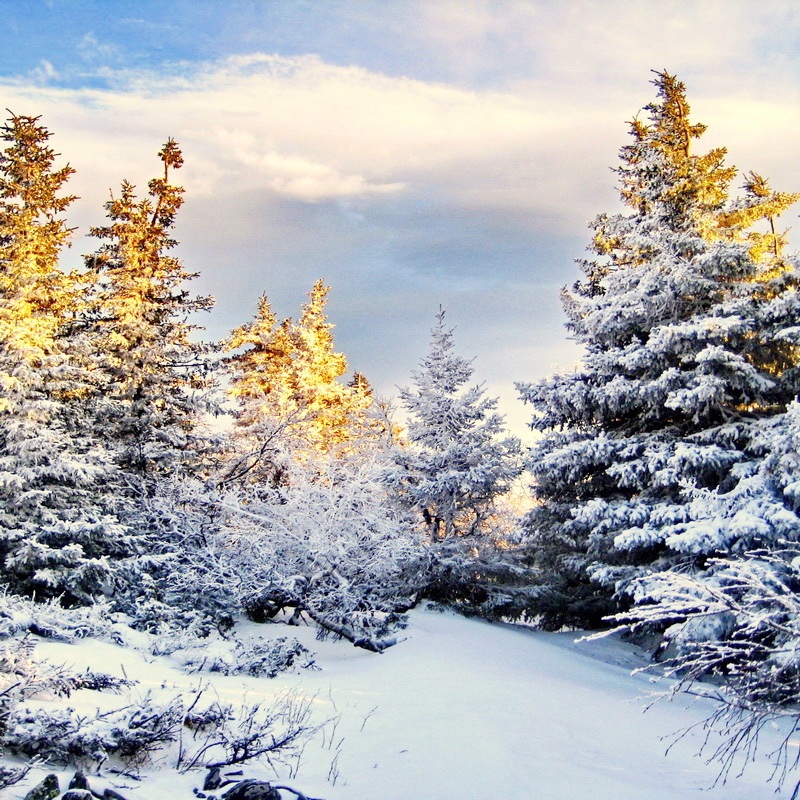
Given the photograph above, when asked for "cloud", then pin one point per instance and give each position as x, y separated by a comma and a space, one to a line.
312, 182
590, 43
91, 49
315, 131
311, 131
43, 73
403, 192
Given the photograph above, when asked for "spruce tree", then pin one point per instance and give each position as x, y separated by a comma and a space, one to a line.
456, 461
156, 379
334, 411
287, 386
58, 528
686, 315
260, 383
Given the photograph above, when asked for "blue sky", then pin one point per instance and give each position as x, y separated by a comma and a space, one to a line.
410, 153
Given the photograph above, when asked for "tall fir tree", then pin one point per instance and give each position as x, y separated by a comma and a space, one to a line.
457, 460
58, 528
157, 380
687, 316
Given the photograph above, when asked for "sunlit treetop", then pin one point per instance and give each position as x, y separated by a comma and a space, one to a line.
289, 374
140, 308
32, 229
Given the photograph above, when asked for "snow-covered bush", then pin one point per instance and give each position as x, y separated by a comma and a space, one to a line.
22, 675
33, 733
51, 620
330, 544
172, 629
482, 574
260, 658
62, 735
220, 735
180, 521
187, 727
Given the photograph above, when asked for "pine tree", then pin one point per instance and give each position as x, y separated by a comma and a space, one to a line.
687, 318
287, 386
157, 380
334, 411
57, 526
455, 463
260, 383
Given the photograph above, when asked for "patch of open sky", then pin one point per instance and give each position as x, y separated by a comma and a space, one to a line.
70, 42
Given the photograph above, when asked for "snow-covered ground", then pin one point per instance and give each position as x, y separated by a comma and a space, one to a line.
461, 710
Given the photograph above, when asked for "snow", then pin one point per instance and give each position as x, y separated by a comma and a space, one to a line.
461, 710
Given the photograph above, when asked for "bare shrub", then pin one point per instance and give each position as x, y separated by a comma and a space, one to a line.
223, 735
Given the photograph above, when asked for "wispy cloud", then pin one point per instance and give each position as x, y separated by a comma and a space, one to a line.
93, 50
44, 73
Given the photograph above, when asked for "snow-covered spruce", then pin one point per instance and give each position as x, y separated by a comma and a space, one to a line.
59, 525
737, 620
156, 382
453, 465
689, 318
457, 460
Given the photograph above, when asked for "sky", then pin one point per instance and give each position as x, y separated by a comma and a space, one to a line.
411, 153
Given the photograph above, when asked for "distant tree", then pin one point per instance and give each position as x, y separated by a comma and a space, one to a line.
260, 385
286, 383
334, 411
157, 380
689, 319
58, 528
457, 460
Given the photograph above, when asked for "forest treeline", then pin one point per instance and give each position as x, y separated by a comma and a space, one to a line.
665, 480
115, 486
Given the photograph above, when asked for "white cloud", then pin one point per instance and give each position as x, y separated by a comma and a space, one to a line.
297, 168
92, 49
43, 73
608, 44
312, 182
315, 131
